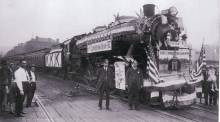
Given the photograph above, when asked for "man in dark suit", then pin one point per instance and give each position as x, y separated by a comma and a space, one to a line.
105, 82
4, 81
134, 79
205, 85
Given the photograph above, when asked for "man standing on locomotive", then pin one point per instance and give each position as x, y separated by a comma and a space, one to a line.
105, 83
21, 75
134, 79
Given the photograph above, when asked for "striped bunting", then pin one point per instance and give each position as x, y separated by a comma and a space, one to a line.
152, 66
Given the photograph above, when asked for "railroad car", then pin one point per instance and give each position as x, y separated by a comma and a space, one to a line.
35, 58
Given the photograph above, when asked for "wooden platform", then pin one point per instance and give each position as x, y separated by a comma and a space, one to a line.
54, 93
33, 114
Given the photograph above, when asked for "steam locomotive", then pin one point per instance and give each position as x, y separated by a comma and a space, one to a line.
150, 37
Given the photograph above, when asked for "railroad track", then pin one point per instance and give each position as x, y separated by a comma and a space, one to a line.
204, 109
41, 105
182, 118
182, 115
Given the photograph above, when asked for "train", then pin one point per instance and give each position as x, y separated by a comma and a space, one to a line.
157, 42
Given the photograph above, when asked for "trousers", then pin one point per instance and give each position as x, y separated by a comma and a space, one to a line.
101, 94
26, 88
133, 98
30, 93
18, 102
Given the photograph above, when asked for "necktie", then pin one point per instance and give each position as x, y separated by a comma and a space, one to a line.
26, 73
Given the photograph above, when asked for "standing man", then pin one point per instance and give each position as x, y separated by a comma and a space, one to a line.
21, 75
217, 86
134, 79
11, 94
105, 82
4, 81
32, 88
217, 77
213, 86
205, 84
12, 89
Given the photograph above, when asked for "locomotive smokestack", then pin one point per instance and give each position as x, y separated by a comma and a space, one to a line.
149, 10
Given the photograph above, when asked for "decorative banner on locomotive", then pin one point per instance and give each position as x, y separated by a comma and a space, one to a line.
168, 54
120, 75
174, 60
99, 46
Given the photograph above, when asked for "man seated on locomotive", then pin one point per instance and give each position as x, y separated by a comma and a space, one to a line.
105, 77
134, 81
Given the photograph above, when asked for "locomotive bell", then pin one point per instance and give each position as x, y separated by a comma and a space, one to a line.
149, 10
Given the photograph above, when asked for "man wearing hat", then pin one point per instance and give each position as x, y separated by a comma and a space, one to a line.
32, 85
134, 80
105, 83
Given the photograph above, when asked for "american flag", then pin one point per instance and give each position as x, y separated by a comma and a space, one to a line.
152, 65
199, 64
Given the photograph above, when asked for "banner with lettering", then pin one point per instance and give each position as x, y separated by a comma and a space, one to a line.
100, 46
120, 75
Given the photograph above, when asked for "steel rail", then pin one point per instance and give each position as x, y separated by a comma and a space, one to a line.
165, 113
39, 102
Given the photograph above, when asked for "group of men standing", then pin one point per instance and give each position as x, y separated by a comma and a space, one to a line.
134, 81
17, 87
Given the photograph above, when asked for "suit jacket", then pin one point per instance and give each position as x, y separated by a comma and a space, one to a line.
4, 75
134, 77
105, 78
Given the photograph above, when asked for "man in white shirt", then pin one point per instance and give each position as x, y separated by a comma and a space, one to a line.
21, 75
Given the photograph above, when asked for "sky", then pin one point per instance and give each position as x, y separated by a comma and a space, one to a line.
21, 20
